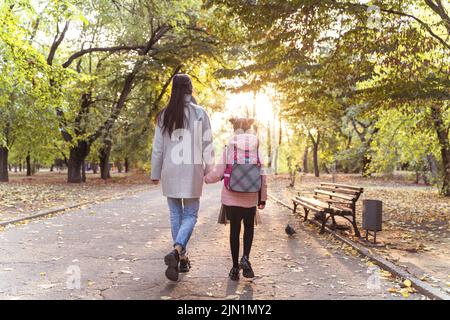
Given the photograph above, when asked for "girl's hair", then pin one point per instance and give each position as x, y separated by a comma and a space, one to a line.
172, 116
242, 124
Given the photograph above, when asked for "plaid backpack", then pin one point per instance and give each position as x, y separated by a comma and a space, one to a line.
242, 175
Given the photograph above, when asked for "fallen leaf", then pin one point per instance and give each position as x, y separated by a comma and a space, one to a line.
126, 271
407, 283
404, 292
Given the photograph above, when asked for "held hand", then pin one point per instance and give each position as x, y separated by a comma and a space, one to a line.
155, 182
261, 206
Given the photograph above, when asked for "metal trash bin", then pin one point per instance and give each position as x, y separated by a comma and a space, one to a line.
372, 215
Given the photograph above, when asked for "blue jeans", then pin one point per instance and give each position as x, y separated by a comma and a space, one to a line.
183, 217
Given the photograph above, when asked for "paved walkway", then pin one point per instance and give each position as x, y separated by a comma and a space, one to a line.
118, 246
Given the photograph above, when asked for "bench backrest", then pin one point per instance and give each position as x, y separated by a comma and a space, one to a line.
341, 193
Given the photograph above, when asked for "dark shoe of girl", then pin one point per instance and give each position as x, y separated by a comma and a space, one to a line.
172, 260
234, 274
246, 267
185, 265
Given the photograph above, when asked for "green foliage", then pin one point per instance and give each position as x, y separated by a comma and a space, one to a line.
365, 78
403, 139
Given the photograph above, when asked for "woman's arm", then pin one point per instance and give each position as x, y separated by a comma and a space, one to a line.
157, 154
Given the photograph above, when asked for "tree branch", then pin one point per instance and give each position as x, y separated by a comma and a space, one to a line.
440, 10
398, 13
128, 84
107, 125
141, 49
166, 85
106, 49
56, 42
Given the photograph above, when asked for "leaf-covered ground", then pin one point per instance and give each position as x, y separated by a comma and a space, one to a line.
24, 195
416, 220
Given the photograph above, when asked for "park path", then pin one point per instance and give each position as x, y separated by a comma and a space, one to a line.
118, 247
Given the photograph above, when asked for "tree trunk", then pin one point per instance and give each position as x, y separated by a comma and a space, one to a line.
76, 158
4, 164
103, 155
51, 168
305, 160
127, 165
315, 143
444, 145
94, 167
292, 176
28, 160
316, 159
119, 166
366, 160
433, 166
83, 171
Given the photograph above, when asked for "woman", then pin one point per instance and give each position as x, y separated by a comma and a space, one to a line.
181, 156
240, 207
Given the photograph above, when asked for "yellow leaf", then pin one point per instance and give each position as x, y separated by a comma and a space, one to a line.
392, 290
404, 293
407, 283
385, 274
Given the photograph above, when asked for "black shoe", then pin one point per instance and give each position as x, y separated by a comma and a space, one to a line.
234, 274
172, 260
246, 267
185, 265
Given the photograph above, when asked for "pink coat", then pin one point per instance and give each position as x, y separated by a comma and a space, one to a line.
230, 198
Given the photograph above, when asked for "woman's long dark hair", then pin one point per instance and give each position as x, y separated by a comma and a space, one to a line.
172, 116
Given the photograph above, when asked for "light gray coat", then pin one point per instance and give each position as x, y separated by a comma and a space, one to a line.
181, 161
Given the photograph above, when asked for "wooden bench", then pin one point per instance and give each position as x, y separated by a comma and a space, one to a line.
331, 200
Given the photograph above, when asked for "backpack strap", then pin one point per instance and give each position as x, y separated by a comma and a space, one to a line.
226, 155
258, 161
247, 151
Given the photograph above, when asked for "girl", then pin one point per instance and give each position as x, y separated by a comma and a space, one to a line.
177, 129
237, 206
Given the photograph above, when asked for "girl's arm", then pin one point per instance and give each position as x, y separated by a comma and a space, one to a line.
216, 174
157, 154
263, 189
263, 199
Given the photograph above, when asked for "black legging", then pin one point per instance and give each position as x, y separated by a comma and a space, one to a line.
236, 215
